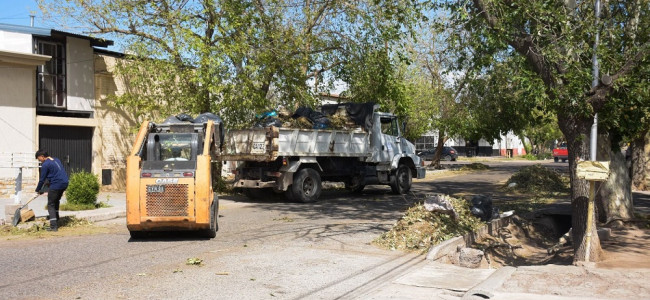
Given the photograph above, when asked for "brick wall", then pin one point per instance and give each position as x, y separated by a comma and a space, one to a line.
117, 126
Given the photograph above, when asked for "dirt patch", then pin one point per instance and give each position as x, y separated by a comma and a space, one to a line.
524, 243
627, 248
572, 281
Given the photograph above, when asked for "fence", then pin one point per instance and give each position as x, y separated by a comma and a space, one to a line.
12, 167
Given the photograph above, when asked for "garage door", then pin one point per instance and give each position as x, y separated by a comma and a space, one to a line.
72, 145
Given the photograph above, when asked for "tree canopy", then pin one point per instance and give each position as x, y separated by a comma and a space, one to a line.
239, 57
545, 51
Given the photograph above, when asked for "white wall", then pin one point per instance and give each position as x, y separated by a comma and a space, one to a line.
81, 75
17, 112
17, 42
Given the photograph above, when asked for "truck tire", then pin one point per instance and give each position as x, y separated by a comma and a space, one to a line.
447, 158
214, 223
306, 186
555, 159
400, 182
354, 185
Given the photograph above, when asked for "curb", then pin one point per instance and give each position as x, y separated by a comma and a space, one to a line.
485, 289
99, 217
450, 247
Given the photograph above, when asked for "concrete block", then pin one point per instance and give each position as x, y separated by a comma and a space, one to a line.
448, 247
470, 258
10, 209
604, 234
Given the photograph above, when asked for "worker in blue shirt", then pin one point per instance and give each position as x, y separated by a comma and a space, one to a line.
52, 170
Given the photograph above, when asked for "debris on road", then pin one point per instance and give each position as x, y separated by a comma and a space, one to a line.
194, 261
419, 228
440, 203
482, 208
474, 166
537, 179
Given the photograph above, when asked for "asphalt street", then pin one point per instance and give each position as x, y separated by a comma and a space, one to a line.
265, 249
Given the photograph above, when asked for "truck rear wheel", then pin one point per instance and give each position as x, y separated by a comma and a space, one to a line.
306, 185
400, 182
556, 159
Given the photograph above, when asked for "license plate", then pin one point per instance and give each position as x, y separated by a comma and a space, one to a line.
155, 189
259, 147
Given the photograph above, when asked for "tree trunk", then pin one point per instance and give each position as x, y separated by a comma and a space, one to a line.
641, 162
435, 162
576, 132
614, 197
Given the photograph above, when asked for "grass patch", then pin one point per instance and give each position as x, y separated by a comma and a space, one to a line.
68, 226
82, 206
418, 229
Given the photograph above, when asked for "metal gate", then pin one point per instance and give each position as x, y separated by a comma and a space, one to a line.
72, 145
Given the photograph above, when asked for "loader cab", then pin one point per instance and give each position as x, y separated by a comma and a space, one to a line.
170, 153
174, 188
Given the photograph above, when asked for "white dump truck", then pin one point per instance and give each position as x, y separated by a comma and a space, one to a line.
297, 161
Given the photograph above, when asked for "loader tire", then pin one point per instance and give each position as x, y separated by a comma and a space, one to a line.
214, 216
136, 235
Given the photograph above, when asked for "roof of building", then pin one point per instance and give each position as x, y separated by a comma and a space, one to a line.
37, 31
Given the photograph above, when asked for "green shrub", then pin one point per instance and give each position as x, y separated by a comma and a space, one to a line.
529, 157
83, 188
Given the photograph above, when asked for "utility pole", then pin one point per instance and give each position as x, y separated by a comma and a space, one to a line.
594, 139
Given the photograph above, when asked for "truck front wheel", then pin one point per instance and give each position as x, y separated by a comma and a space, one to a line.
400, 182
306, 185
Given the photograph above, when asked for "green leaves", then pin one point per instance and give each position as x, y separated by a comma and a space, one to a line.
241, 57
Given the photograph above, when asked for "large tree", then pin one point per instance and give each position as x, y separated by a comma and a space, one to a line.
553, 41
236, 57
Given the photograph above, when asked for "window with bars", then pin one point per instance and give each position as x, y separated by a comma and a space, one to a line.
51, 76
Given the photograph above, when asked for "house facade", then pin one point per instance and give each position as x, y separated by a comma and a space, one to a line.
507, 145
53, 97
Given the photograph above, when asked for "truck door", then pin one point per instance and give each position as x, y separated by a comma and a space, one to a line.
391, 140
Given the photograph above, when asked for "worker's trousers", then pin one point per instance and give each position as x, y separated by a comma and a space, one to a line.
53, 200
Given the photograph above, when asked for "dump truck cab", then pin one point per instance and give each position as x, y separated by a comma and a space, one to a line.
169, 178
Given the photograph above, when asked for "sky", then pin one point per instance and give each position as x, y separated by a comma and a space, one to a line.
18, 11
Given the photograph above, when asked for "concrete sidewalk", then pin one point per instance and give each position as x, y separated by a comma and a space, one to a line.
116, 201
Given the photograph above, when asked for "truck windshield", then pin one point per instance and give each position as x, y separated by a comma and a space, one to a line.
175, 147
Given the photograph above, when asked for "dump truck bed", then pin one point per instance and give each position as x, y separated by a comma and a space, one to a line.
267, 144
